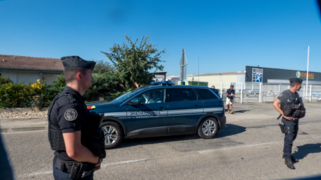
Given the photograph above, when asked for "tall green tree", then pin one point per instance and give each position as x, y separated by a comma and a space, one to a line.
134, 61
104, 67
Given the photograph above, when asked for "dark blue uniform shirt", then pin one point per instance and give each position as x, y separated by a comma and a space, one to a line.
67, 116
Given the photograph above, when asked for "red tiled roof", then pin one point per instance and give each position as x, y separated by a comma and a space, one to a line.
30, 63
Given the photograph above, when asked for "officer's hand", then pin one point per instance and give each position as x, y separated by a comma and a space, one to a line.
97, 167
288, 118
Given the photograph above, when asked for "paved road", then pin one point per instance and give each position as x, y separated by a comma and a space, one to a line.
249, 148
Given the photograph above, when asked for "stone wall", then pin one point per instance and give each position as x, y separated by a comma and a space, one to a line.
22, 113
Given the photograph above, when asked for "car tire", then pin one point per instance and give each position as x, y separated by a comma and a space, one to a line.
207, 128
113, 134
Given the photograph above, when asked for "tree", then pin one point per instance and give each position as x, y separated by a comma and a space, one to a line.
133, 62
104, 67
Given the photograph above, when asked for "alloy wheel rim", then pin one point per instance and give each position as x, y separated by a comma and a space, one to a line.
111, 134
208, 127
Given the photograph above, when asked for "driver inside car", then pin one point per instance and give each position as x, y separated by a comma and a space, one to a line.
155, 98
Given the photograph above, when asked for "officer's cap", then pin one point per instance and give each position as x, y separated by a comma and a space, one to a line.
296, 80
76, 61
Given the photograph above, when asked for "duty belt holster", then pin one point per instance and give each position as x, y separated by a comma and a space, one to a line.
282, 127
76, 170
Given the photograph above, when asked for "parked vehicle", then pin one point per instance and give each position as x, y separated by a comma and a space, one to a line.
161, 110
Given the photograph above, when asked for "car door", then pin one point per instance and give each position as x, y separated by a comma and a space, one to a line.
212, 102
184, 110
148, 119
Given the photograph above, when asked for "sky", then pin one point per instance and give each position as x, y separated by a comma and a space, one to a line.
222, 35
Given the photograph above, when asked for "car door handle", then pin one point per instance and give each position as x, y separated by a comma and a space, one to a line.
195, 106
162, 108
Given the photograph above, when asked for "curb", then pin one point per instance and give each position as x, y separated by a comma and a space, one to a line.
23, 118
23, 129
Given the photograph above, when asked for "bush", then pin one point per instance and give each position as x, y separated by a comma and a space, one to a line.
39, 94
20, 95
5, 80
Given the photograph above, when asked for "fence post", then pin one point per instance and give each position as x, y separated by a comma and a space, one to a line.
241, 99
310, 95
221, 89
260, 93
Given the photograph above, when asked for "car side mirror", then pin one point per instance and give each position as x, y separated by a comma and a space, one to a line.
134, 102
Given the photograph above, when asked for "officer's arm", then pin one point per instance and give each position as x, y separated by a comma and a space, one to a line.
70, 122
277, 107
76, 150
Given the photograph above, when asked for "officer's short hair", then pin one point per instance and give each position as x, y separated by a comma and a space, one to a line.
294, 83
70, 73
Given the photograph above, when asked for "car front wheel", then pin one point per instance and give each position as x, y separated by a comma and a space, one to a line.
208, 128
113, 134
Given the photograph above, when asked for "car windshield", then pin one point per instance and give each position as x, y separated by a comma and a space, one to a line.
126, 95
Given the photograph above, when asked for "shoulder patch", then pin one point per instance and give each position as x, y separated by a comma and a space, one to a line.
71, 114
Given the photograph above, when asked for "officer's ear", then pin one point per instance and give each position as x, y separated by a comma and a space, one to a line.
79, 75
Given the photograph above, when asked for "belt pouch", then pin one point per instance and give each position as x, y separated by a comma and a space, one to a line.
76, 170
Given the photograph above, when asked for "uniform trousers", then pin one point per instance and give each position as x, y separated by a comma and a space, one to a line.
291, 131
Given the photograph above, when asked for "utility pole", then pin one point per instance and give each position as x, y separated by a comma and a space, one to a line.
198, 71
307, 79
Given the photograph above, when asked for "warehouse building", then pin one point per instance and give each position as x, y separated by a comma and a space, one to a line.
255, 74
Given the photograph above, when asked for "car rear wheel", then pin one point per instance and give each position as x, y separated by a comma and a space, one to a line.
113, 134
208, 128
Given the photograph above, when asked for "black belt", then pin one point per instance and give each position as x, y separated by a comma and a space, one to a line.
64, 166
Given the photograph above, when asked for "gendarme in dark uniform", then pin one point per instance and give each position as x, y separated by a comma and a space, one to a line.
292, 110
68, 113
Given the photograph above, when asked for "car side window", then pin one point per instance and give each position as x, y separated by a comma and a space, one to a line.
152, 97
181, 95
206, 94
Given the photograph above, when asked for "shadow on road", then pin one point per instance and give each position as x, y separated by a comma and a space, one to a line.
238, 111
230, 130
304, 150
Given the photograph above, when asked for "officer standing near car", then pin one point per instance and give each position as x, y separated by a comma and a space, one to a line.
291, 110
73, 131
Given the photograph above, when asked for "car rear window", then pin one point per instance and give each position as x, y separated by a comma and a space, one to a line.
205, 94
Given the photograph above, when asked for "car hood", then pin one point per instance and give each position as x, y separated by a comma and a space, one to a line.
102, 104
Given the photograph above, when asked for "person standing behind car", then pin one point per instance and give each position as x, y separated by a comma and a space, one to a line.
215, 90
230, 94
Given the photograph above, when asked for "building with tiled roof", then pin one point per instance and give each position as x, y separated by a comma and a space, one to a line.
28, 69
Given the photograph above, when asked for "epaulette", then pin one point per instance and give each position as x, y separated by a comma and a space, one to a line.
72, 99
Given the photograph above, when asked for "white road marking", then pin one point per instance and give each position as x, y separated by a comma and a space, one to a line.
122, 162
235, 147
40, 173
252, 145
102, 166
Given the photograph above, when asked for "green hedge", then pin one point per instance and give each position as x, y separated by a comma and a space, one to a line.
40, 94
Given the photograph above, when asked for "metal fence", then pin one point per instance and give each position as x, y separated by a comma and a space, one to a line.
263, 92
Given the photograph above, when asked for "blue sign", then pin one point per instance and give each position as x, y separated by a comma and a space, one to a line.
257, 75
